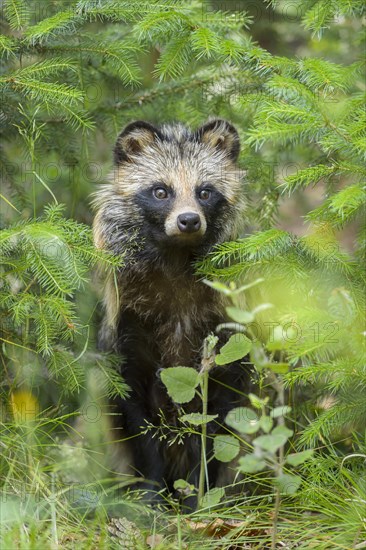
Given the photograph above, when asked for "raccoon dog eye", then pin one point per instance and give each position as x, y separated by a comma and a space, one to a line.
204, 194
160, 193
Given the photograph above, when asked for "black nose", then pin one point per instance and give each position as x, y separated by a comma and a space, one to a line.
189, 222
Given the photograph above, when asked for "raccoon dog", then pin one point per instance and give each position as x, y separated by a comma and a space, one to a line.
174, 194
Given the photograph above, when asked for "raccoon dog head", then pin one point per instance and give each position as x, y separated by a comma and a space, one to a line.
180, 188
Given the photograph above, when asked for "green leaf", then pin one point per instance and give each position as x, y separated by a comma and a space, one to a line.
261, 307
266, 423
277, 340
288, 484
243, 288
197, 419
213, 497
236, 348
180, 382
295, 459
280, 411
282, 430
257, 402
220, 287
243, 420
239, 316
226, 447
273, 441
278, 368
270, 443
183, 485
250, 464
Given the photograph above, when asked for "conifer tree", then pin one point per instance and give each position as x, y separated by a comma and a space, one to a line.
72, 74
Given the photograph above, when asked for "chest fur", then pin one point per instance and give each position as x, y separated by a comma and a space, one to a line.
178, 310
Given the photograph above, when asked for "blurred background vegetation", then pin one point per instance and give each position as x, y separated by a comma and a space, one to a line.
290, 76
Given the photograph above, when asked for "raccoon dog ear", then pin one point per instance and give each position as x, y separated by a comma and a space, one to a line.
133, 139
221, 135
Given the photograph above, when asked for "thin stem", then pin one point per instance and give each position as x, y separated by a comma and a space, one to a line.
33, 168
275, 518
53, 513
179, 531
281, 458
208, 361
202, 478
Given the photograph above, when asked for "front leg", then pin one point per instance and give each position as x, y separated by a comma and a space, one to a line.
147, 460
135, 343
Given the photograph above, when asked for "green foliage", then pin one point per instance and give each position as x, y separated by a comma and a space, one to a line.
17, 14
291, 78
226, 448
181, 383
237, 347
44, 262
